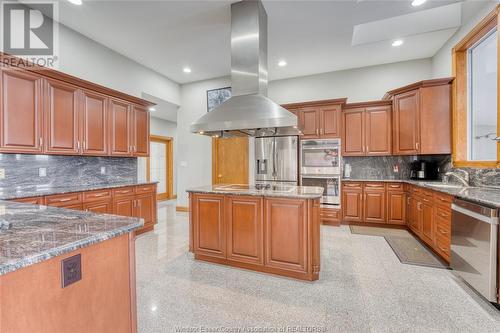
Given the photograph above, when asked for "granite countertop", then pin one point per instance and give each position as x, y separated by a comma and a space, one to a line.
42, 190
285, 191
30, 234
482, 195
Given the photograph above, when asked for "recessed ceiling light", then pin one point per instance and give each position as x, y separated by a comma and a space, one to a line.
152, 109
186, 70
397, 42
416, 3
282, 63
76, 2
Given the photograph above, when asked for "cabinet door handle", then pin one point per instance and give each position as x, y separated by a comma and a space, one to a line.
83, 145
78, 145
41, 141
64, 200
417, 145
317, 131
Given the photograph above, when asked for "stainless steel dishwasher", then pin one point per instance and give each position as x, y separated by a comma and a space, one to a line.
474, 235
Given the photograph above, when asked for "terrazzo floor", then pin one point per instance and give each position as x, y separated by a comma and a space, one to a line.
362, 288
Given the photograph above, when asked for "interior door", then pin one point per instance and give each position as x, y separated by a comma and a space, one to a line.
286, 158
62, 105
95, 123
20, 111
230, 161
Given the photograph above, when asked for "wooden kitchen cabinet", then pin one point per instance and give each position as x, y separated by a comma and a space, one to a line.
21, 116
319, 119
210, 227
99, 207
286, 219
124, 206
62, 118
374, 205
140, 127
94, 123
146, 209
396, 204
352, 202
120, 130
422, 117
245, 233
366, 129
33, 200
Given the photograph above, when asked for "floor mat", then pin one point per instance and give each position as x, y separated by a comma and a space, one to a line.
407, 248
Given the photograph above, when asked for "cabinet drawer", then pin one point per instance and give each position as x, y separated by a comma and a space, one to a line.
144, 189
97, 195
330, 214
443, 246
375, 186
123, 192
395, 186
32, 200
443, 199
64, 199
354, 185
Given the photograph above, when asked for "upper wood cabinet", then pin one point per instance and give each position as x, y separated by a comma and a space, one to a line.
21, 114
366, 129
53, 113
319, 119
62, 118
94, 132
422, 118
140, 127
121, 132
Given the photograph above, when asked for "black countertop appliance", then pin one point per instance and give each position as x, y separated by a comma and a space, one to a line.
423, 170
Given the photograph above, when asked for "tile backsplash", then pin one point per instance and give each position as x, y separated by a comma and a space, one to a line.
23, 170
382, 167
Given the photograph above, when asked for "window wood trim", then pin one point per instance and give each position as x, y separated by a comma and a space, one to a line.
459, 92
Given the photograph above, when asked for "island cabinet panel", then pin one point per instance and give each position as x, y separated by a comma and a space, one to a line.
21, 117
62, 103
406, 123
286, 234
95, 124
330, 119
120, 128
32, 299
210, 228
378, 131
245, 229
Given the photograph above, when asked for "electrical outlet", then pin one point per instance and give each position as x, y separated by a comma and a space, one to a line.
71, 270
42, 172
2, 173
103, 170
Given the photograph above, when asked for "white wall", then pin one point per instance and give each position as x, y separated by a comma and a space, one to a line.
475, 12
358, 85
194, 152
82, 57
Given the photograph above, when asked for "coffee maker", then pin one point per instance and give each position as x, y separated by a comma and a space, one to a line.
423, 170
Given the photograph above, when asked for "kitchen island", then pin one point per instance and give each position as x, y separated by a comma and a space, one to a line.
65, 270
274, 230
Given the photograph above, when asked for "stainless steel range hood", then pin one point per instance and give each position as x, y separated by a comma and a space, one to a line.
248, 112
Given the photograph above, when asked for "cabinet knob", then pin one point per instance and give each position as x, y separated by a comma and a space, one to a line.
219, 176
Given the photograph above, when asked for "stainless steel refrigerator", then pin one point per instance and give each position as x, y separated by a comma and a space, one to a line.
276, 160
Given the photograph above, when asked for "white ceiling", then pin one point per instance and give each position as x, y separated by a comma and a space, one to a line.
312, 36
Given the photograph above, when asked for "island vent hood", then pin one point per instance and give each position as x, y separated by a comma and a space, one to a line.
248, 112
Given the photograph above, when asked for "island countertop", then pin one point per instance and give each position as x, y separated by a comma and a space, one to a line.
282, 191
30, 234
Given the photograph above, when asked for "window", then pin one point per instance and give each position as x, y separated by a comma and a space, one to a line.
476, 121
482, 95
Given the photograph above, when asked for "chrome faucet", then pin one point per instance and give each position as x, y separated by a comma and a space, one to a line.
464, 179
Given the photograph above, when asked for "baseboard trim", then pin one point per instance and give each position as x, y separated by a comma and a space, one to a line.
181, 209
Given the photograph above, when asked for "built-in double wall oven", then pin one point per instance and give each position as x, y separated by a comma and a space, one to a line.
320, 166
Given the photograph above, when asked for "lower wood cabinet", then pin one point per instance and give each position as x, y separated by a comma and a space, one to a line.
133, 201
330, 216
374, 202
274, 235
352, 202
396, 206
245, 229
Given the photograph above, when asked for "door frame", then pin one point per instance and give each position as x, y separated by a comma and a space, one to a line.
168, 141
